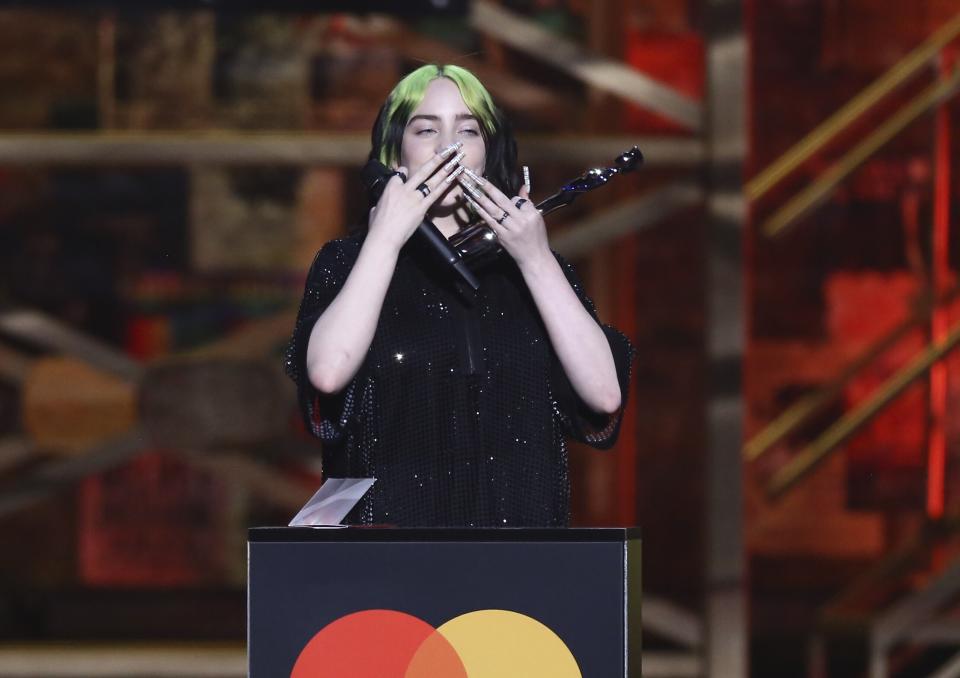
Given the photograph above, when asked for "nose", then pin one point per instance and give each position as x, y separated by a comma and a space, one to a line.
445, 139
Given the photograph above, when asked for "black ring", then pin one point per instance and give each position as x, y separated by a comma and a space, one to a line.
503, 217
519, 202
403, 177
423, 188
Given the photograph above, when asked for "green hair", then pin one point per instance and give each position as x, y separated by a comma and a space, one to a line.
387, 134
409, 92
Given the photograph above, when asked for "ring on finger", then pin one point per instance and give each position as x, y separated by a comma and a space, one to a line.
503, 217
519, 203
424, 189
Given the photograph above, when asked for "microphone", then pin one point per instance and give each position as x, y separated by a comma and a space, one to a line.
375, 176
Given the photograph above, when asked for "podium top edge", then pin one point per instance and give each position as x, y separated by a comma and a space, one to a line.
443, 534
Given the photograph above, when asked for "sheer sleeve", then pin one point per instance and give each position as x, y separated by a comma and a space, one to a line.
579, 421
325, 416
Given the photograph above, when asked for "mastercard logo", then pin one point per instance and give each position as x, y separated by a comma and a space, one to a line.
479, 644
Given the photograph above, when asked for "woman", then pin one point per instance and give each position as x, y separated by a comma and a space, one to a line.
457, 404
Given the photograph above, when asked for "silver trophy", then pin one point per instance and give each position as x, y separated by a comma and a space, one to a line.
476, 244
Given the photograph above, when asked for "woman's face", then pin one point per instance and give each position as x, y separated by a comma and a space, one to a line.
441, 119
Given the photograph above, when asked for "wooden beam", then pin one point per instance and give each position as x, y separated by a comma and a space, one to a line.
152, 149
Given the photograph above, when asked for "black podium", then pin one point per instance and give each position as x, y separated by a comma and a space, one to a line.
445, 603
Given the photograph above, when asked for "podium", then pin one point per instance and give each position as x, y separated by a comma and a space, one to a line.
444, 603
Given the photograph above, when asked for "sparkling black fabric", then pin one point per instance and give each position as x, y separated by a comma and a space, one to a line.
461, 406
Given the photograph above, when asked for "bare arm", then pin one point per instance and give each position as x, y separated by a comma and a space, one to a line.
579, 342
342, 334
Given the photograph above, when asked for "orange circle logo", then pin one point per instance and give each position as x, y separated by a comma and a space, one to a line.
479, 644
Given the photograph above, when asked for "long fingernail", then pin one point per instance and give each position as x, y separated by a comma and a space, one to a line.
453, 163
480, 181
450, 149
471, 188
473, 203
457, 172
526, 178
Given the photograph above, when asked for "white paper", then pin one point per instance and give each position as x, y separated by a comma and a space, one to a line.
332, 502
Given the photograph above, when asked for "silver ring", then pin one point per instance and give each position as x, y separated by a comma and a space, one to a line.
519, 203
503, 217
424, 189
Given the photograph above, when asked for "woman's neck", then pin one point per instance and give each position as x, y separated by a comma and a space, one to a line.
449, 219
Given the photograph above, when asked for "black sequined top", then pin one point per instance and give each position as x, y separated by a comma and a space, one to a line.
461, 406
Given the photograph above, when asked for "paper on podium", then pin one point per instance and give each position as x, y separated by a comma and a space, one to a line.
332, 502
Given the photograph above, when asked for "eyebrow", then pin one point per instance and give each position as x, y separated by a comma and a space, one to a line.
436, 118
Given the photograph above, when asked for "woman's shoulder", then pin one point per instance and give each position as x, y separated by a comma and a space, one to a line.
336, 257
344, 246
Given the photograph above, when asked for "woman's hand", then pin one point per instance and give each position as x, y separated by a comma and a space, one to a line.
520, 230
403, 206
578, 340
